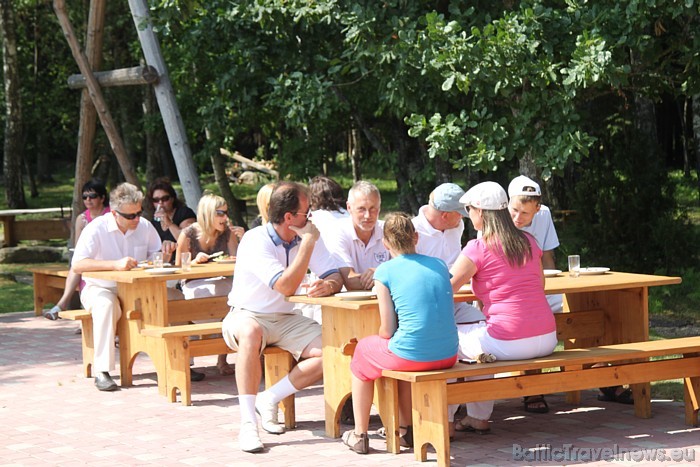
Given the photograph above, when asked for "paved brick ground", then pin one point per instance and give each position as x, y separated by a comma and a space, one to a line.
50, 414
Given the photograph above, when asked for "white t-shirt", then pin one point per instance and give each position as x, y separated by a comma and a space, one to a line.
261, 260
542, 228
352, 252
326, 222
447, 246
102, 240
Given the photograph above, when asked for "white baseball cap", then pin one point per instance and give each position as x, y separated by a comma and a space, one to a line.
523, 186
487, 195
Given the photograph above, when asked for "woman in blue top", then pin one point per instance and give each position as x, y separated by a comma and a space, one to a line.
417, 330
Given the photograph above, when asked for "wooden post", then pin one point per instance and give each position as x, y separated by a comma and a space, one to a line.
165, 95
123, 77
95, 94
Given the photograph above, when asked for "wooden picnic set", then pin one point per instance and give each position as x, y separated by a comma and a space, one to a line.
605, 322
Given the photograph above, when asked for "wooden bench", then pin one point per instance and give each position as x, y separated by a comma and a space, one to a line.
85, 319
35, 229
49, 283
179, 347
567, 370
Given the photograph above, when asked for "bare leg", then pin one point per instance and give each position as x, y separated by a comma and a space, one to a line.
405, 403
224, 368
72, 282
310, 368
362, 395
248, 369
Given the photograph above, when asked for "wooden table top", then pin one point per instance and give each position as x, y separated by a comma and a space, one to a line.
558, 284
197, 271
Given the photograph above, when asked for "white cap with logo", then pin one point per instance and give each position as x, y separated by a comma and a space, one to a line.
486, 195
523, 186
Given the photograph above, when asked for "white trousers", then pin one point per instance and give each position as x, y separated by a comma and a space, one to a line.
474, 340
103, 304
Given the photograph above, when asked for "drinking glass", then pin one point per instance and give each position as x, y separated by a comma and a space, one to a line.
158, 259
574, 265
185, 261
307, 282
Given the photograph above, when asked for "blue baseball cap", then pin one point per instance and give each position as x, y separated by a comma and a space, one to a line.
446, 198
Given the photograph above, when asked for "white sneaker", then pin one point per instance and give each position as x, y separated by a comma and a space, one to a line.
249, 439
268, 416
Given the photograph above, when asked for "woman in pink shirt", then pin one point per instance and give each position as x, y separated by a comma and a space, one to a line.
505, 270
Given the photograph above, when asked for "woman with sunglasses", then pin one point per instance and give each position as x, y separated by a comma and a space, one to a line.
96, 204
170, 214
210, 234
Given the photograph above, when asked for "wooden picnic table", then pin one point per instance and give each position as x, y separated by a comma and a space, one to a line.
144, 301
34, 229
613, 307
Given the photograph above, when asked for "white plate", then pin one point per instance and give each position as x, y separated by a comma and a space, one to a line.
593, 271
162, 270
224, 261
146, 265
356, 295
551, 272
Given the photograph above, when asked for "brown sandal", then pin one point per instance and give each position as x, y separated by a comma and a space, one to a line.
359, 444
465, 427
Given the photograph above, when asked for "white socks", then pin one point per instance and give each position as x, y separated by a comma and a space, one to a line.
246, 402
279, 391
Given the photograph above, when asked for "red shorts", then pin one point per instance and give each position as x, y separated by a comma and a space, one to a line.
372, 355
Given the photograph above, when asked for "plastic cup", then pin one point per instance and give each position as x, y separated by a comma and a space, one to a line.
185, 261
574, 265
158, 260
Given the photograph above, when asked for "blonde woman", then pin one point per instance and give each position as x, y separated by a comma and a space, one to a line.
210, 234
263, 203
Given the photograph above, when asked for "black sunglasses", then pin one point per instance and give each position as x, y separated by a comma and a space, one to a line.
130, 217
90, 195
164, 199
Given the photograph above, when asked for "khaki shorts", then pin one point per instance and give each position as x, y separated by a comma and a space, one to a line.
289, 332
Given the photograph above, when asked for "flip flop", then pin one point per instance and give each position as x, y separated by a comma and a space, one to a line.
533, 404
462, 428
52, 314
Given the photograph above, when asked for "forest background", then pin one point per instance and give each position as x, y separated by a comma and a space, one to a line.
598, 100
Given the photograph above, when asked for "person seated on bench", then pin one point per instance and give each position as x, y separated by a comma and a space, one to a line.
210, 234
170, 214
505, 270
531, 216
96, 204
271, 263
262, 201
114, 242
417, 330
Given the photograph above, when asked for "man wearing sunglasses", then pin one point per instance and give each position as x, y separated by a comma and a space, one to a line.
116, 241
271, 263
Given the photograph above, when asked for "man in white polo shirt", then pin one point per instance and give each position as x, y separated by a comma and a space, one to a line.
357, 243
116, 241
271, 263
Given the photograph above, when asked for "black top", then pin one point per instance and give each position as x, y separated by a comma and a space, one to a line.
182, 213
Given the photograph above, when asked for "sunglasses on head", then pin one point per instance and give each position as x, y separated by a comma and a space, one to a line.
90, 195
164, 199
221, 212
129, 216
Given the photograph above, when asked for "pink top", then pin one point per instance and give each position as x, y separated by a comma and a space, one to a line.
514, 301
88, 217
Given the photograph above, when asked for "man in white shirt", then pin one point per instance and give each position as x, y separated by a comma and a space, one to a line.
116, 241
440, 226
271, 263
357, 244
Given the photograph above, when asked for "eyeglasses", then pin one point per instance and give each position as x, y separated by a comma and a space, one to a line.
221, 213
90, 195
130, 217
307, 214
163, 199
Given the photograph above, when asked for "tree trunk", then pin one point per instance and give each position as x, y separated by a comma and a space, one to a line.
407, 169
355, 153
236, 207
696, 137
14, 145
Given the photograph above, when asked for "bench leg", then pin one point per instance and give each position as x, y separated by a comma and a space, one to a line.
88, 346
177, 369
277, 366
387, 391
642, 399
429, 402
691, 397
